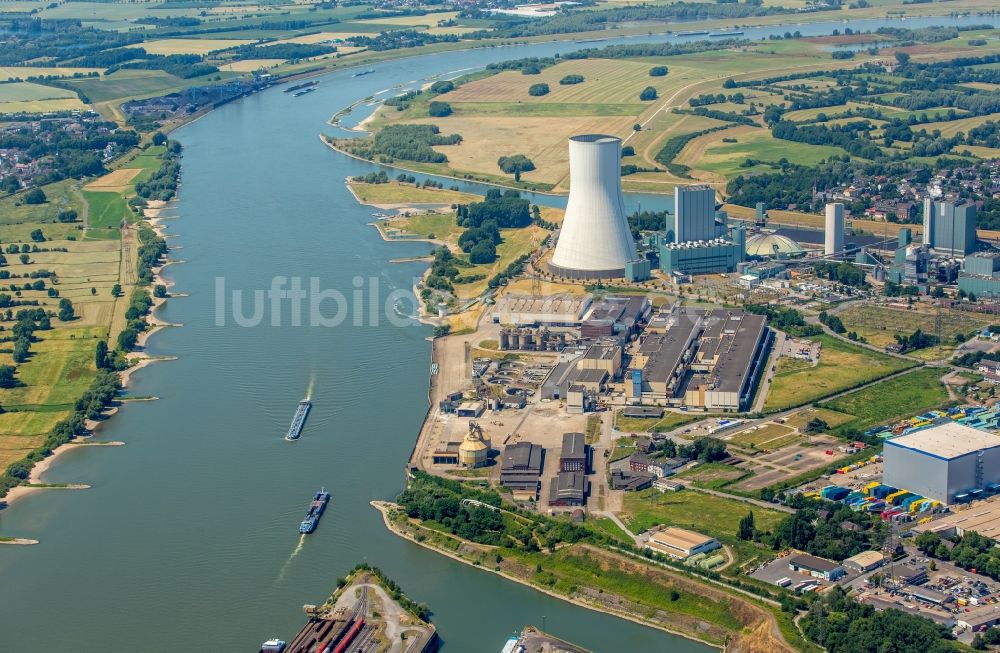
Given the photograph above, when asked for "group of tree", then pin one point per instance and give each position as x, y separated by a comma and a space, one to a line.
916, 340
569, 80
438, 109
843, 272
537, 90
483, 221
162, 184
515, 164
407, 142
785, 319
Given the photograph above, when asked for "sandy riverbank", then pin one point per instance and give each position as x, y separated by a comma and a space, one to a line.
385, 506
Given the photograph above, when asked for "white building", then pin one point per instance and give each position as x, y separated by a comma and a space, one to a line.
834, 235
943, 462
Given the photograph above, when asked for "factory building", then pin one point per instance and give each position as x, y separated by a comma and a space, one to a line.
816, 567
954, 228
616, 317
568, 489
595, 241
602, 357
521, 470
694, 215
834, 232
719, 255
704, 359
573, 457
533, 310
949, 463
981, 274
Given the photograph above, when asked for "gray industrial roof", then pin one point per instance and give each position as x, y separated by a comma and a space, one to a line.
573, 445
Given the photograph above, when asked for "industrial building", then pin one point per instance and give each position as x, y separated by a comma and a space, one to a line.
532, 310
568, 489
718, 255
694, 215
773, 245
865, 561
950, 462
680, 543
704, 359
950, 227
618, 317
834, 232
594, 241
816, 567
980, 275
521, 469
573, 457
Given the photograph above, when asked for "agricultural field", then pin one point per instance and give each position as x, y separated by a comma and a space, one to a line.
128, 83
952, 127
727, 160
28, 97
24, 72
841, 366
903, 396
191, 46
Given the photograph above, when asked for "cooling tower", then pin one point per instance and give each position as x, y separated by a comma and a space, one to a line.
595, 241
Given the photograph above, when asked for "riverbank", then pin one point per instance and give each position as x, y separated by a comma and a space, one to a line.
386, 507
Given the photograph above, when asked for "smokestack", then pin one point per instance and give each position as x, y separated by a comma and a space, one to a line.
595, 241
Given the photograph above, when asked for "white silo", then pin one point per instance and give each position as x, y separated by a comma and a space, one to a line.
595, 241
834, 241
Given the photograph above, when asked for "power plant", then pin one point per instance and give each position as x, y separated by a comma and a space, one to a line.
595, 241
834, 236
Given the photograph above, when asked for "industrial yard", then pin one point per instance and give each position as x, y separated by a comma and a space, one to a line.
360, 617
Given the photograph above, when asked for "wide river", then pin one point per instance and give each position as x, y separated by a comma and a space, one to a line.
188, 539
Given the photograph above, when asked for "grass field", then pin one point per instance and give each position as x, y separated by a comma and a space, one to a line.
668, 422
766, 438
726, 159
396, 193
841, 366
60, 195
712, 515
894, 399
128, 83
440, 226
250, 65
881, 324
107, 210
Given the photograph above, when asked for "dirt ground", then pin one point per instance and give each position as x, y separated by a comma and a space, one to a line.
774, 467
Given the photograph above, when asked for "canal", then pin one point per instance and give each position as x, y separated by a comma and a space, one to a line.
188, 538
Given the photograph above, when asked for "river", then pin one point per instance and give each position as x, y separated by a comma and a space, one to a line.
188, 538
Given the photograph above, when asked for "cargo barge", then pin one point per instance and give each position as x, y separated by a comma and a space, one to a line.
725, 33
364, 72
316, 508
304, 91
693, 33
299, 87
298, 420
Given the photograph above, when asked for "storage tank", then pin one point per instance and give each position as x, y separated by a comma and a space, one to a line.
504, 339
515, 340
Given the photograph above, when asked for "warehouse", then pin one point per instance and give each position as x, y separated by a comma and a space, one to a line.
982, 517
943, 462
574, 453
568, 489
680, 543
816, 567
864, 561
521, 470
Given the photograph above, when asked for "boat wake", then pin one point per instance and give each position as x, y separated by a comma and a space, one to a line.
312, 384
288, 563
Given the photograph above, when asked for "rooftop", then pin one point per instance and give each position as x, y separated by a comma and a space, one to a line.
947, 441
813, 563
679, 538
573, 445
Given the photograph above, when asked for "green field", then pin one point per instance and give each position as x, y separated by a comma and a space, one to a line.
841, 366
894, 399
727, 159
107, 210
128, 83
668, 422
705, 513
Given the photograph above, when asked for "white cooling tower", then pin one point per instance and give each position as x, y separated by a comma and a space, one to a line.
595, 241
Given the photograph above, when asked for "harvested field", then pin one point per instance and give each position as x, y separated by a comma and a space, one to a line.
191, 46
951, 127
23, 72
117, 180
250, 65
